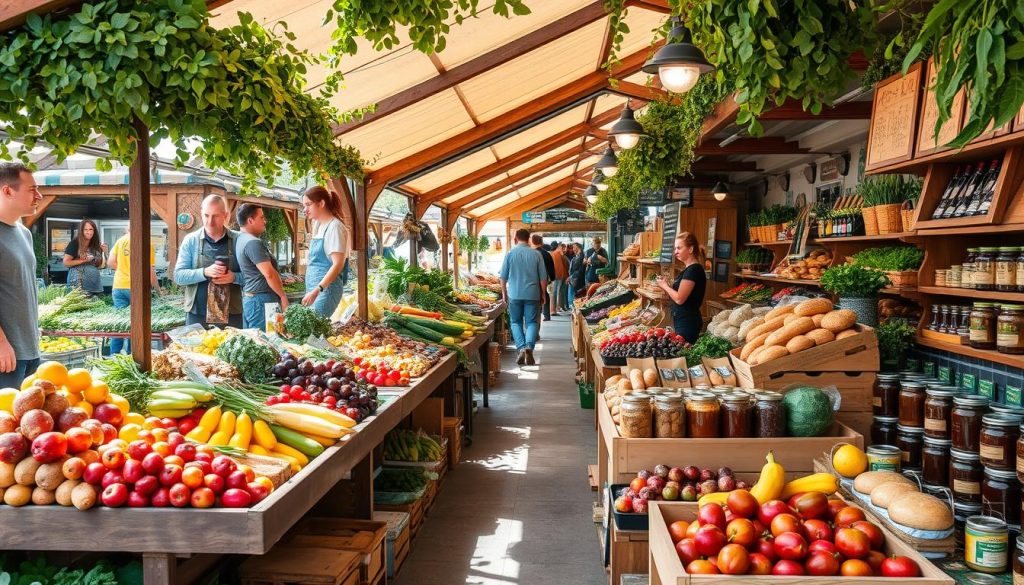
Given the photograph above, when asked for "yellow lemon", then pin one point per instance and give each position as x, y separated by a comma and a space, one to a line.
129, 432
120, 402
849, 461
97, 393
86, 407
27, 383
55, 372
7, 398
74, 398
79, 379
134, 418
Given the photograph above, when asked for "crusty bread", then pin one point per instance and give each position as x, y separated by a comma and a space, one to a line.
885, 493
869, 480
921, 511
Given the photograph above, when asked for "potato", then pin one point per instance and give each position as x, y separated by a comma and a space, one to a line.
813, 307
836, 321
25, 471
777, 311
49, 476
752, 345
18, 495
845, 333
799, 343
83, 496
63, 493
770, 353
768, 326
7, 475
797, 327
820, 336
650, 377
41, 497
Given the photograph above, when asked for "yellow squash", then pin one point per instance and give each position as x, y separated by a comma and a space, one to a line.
816, 482
771, 481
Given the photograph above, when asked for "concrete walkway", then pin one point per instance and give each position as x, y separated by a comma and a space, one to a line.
518, 509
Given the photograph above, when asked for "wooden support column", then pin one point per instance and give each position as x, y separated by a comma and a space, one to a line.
445, 241
139, 220
359, 241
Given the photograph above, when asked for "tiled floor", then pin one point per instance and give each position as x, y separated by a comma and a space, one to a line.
517, 509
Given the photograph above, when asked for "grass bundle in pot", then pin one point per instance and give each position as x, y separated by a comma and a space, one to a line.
857, 288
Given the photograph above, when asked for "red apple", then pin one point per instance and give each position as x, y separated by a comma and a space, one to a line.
759, 564
852, 543
214, 482
179, 495
114, 495
822, 546
874, 533
822, 564
710, 539
847, 516
623, 504
258, 490
207, 457
203, 465
769, 510
785, 523
170, 475
875, 559
71, 417
741, 531
187, 452
111, 477
147, 485
237, 480
637, 484
35, 422
203, 498
108, 413
787, 567
79, 439
95, 428
702, 567
766, 546
855, 568
94, 473
742, 503
712, 514
687, 551
138, 449
49, 447
833, 508
113, 458
174, 439
13, 447
109, 430
811, 505
137, 500
223, 465
899, 566
733, 559
153, 463
790, 546
818, 530
235, 498
133, 471
161, 498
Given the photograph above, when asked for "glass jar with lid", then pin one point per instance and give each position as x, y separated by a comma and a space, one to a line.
986, 546
954, 278
985, 268
1006, 268
883, 430
1018, 561
983, 326
669, 417
885, 399
910, 440
636, 416
1000, 495
736, 416
998, 441
938, 408
944, 318
967, 275
963, 328
702, 414
935, 461
965, 475
1020, 270
934, 324
912, 397
769, 415
968, 409
1010, 329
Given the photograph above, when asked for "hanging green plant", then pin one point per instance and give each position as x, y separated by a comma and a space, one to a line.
277, 226
978, 45
238, 90
887, 58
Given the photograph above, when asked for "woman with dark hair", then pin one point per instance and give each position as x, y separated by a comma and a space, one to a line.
327, 266
687, 292
85, 256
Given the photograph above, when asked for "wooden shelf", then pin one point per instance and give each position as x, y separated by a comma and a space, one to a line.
777, 243
777, 279
627, 258
879, 237
992, 295
735, 302
657, 298
653, 261
973, 152
991, 355
978, 230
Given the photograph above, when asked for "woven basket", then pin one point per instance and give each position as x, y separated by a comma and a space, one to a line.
870, 221
907, 215
889, 221
904, 279
754, 234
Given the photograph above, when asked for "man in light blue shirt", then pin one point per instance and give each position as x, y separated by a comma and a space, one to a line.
523, 281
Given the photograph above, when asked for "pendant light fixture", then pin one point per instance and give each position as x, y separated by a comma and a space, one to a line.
679, 63
626, 130
590, 193
608, 163
720, 191
598, 182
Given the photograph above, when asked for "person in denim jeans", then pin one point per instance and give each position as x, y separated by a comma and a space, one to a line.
262, 281
523, 280
120, 262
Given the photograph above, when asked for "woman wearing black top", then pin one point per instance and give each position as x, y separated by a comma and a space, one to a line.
85, 256
687, 292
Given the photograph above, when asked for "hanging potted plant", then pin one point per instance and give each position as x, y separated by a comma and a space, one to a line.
857, 288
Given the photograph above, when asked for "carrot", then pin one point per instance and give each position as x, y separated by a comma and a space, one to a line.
407, 310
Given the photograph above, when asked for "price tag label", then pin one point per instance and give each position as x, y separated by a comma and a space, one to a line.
986, 388
1013, 396
969, 382
929, 369
945, 375
192, 372
913, 364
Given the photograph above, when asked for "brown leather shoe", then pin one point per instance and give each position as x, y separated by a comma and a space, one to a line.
529, 358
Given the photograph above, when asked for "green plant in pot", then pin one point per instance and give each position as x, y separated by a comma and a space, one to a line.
895, 338
857, 288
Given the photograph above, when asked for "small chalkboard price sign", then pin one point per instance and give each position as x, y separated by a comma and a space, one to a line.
668, 232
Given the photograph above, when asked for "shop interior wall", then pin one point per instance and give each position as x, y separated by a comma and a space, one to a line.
799, 183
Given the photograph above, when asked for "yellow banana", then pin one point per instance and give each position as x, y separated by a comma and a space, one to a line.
816, 482
713, 498
771, 481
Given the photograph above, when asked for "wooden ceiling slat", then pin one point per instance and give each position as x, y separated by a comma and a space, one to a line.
752, 146
474, 200
793, 110
553, 192
635, 90
14, 12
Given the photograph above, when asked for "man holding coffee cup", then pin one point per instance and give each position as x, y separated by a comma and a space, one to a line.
208, 271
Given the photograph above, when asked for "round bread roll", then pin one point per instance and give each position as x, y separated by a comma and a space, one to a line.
869, 480
885, 493
921, 511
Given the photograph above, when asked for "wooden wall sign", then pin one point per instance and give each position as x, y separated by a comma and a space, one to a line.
894, 118
926, 141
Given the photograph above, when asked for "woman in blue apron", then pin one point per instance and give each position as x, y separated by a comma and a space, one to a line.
327, 264
687, 291
85, 256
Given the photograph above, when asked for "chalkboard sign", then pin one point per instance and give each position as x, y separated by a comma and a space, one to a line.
557, 215
668, 232
652, 197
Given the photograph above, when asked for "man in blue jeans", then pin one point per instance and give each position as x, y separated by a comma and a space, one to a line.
523, 281
262, 281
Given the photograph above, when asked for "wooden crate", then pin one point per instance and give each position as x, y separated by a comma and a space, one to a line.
413, 509
856, 389
629, 552
856, 353
365, 537
301, 565
667, 569
397, 542
429, 495
649, 242
453, 432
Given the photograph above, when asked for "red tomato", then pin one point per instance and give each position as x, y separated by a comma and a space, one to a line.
898, 566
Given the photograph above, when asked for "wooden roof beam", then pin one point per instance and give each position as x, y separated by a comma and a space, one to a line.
474, 200
753, 146
793, 110
640, 92
568, 94
724, 166
527, 203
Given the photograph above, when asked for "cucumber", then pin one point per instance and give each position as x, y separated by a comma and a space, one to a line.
297, 441
439, 326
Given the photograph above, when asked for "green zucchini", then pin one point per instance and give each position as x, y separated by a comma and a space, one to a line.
297, 441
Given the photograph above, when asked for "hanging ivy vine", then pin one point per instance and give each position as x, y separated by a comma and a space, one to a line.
239, 89
277, 226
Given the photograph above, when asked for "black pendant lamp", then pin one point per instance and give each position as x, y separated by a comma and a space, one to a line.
608, 163
626, 130
590, 193
679, 64
598, 182
720, 191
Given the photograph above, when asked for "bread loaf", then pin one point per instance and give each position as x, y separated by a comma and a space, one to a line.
820, 336
768, 326
752, 345
817, 319
797, 327
813, 307
845, 333
779, 311
769, 353
836, 321
866, 482
799, 343
921, 511
885, 493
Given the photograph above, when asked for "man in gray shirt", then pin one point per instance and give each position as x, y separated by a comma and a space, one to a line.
19, 316
261, 280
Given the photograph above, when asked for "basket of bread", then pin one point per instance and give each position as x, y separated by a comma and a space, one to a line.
809, 268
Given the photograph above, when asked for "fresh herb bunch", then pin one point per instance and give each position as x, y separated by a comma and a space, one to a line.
706, 346
397, 272
754, 255
253, 359
301, 322
895, 338
853, 281
889, 189
891, 258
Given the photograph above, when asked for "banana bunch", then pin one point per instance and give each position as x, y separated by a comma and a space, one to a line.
404, 445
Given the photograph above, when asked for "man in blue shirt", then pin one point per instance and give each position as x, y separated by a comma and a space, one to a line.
523, 281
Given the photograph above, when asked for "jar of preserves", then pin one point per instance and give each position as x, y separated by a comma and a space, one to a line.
961, 512
968, 409
940, 276
986, 541
938, 406
985, 268
963, 328
883, 430
912, 397
944, 319
998, 441
1018, 561
885, 400
912, 375
1020, 271
910, 440
736, 416
669, 417
935, 461
983, 326
702, 414
1000, 495
1006, 268
967, 276
965, 475
636, 417
883, 458
769, 415
1006, 409
1010, 329
954, 278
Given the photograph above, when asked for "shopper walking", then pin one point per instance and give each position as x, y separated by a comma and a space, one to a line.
577, 274
120, 262
207, 269
19, 318
687, 291
558, 282
84, 257
261, 279
523, 280
327, 270
549, 267
563, 298
595, 259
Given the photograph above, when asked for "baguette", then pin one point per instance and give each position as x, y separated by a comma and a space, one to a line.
754, 355
813, 307
752, 345
797, 327
777, 311
768, 326
799, 343
769, 353
838, 320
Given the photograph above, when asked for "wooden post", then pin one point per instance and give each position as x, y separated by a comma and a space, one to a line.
359, 241
139, 220
471, 229
445, 242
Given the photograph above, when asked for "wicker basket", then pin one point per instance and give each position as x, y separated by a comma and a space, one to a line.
903, 279
889, 221
870, 221
754, 234
907, 215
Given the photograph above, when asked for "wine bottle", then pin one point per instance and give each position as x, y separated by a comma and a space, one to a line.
970, 184
988, 191
947, 195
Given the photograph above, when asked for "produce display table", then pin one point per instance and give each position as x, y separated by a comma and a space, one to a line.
479, 345
157, 336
